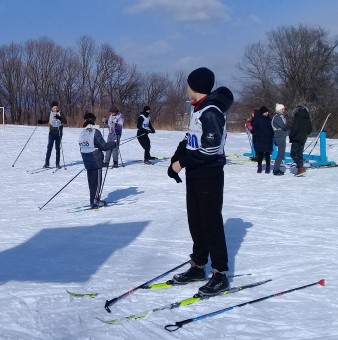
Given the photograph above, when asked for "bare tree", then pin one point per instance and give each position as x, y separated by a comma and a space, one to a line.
43, 65
294, 66
13, 80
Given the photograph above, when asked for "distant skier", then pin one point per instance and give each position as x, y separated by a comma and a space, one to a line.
143, 128
91, 146
115, 125
56, 121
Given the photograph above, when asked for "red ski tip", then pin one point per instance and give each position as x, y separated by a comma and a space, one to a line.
321, 282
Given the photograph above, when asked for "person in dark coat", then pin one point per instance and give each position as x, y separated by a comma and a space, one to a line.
301, 128
143, 128
91, 146
263, 138
201, 153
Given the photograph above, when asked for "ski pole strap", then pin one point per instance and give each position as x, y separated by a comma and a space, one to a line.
178, 324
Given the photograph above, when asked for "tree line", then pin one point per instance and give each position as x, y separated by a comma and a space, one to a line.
87, 78
293, 65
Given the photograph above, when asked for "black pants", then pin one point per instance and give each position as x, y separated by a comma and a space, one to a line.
53, 138
296, 154
145, 143
94, 182
261, 155
204, 208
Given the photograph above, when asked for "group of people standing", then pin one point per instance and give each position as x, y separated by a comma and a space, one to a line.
272, 129
92, 144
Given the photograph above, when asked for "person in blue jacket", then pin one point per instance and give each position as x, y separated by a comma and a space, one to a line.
91, 146
201, 153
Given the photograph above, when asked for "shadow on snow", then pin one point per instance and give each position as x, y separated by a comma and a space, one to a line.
66, 254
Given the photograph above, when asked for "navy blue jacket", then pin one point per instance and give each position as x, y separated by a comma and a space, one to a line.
263, 133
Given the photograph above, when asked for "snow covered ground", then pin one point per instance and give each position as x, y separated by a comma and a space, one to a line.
279, 227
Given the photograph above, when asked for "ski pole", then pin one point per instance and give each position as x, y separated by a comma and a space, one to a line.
181, 303
131, 138
121, 158
40, 208
179, 324
25, 145
63, 157
317, 138
114, 300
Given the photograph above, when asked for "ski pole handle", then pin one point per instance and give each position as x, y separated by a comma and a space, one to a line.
178, 324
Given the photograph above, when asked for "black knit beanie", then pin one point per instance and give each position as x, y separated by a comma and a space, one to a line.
54, 104
263, 109
89, 116
201, 80
146, 108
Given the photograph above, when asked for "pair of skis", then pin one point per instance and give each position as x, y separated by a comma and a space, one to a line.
197, 297
38, 170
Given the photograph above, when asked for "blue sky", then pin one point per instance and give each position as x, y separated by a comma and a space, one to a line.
164, 35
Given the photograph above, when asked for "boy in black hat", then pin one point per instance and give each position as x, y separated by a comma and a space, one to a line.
143, 128
201, 153
91, 146
56, 121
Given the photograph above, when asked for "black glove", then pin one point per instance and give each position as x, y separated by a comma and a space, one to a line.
152, 131
57, 117
174, 175
40, 121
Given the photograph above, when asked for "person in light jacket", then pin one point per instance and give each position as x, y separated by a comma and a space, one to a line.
280, 132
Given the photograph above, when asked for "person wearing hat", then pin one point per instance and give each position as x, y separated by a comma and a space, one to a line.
201, 153
263, 138
91, 146
280, 132
300, 129
115, 125
144, 127
55, 121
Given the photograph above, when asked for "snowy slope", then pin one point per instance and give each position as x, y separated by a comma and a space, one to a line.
277, 227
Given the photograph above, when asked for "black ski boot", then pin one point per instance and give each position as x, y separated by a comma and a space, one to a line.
46, 165
194, 273
216, 285
58, 166
98, 204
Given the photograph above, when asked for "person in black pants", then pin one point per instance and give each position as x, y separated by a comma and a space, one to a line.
201, 153
263, 138
56, 121
91, 146
301, 128
143, 128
